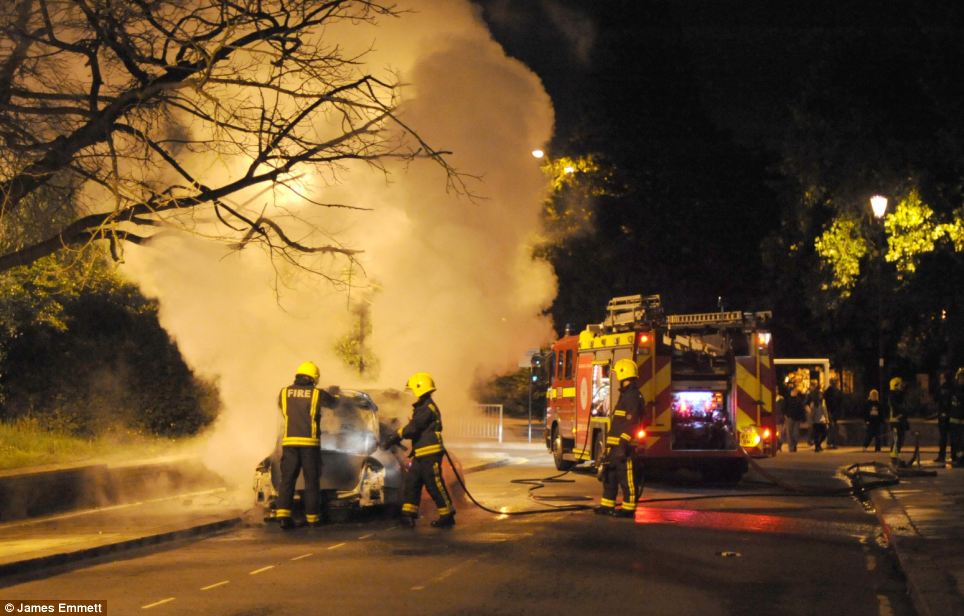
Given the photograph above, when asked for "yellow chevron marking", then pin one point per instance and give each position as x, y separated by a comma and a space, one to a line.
746, 381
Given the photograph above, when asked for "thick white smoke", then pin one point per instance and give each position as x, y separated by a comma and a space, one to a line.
456, 294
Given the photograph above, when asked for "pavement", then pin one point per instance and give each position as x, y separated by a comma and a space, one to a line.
920, 518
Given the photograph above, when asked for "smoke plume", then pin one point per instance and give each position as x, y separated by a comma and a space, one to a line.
452, 287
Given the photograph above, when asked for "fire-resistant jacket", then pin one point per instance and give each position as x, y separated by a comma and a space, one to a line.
629, 410
301, 410
425, 428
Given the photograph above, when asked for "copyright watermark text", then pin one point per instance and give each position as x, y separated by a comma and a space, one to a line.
42, 606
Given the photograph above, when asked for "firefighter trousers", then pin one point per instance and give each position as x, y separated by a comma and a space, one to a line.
295, 459
426, 472
616, 476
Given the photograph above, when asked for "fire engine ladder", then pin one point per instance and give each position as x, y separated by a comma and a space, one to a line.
624, 312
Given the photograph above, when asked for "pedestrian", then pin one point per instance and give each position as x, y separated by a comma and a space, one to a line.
780, 419
811, 400
833, 398
956, 420
300, 405
898, 414
873, 420
425, 431
945, 393
618, 471
796, 413
819, 419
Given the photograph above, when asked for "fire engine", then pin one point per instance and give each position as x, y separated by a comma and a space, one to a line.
708, 381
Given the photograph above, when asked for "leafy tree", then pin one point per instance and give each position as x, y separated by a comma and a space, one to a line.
121, 117
85, 354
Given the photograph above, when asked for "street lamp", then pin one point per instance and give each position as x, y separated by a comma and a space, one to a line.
879, 205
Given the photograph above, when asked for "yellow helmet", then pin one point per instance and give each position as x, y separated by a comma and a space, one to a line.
896, 383
420, 383
625, 369
308, 369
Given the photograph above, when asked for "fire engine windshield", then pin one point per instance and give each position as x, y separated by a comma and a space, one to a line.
700, 420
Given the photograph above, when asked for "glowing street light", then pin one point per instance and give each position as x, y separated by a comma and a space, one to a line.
878, 204
538, 153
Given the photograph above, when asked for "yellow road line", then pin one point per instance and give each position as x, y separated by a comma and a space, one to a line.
336, 546
215, 585
303, 556
156, 603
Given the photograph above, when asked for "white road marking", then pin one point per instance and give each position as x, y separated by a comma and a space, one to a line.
336, 546
215, 585
156, 603
303, 556
257, 571
367, 536
447, 573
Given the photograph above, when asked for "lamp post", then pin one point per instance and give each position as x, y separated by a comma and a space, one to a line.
879, 206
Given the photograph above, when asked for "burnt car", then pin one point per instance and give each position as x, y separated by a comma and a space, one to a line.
356, 474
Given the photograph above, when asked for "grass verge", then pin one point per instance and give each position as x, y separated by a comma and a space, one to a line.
25, 443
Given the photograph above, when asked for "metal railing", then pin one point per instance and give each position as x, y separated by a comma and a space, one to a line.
486, 424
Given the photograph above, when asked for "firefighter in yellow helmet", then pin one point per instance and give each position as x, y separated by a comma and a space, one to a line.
425, 431
618, 468
300, 405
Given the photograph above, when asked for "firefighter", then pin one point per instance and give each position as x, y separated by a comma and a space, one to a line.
425, 431
618, 462
898, 415
300, 405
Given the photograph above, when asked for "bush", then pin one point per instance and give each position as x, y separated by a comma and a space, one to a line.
92, 358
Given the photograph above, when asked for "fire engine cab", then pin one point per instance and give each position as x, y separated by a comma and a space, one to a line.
707, 380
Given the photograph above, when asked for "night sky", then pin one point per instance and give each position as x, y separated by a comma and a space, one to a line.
696, 103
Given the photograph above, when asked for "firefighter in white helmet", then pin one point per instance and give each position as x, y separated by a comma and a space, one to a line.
425, 431
618, 468
300, 405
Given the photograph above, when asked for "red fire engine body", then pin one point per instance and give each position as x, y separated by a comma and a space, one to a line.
708, 381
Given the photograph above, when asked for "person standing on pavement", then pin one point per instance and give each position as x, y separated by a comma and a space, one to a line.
956, 420
873, 420
300, 405
833, 398
945, 393
425, 431
618, 471
819, 419
898, 414
812, 400
796, 413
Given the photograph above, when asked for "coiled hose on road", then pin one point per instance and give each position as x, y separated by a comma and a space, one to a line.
884, 476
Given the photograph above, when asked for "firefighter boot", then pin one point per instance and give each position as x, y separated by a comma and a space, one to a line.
286, 523
445, 521
407, 521
624, 513
603, 510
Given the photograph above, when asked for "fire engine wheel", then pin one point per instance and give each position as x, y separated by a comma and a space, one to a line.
557, 452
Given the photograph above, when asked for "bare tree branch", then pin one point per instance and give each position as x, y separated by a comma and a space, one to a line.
120, 110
